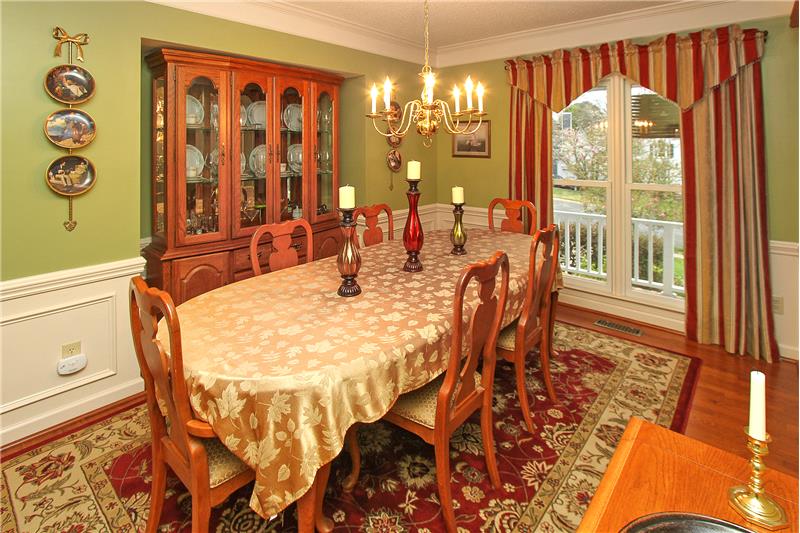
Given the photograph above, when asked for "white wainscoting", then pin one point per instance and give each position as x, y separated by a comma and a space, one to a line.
39, 315
783, 274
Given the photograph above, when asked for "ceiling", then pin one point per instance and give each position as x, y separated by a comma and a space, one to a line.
454, 22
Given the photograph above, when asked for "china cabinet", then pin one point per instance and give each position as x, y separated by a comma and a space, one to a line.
236, 143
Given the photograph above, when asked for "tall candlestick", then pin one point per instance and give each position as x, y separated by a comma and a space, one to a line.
479, 92
468, 90
413, 236
349, 259
457, 98
758, 424
387, 93
347, 197
413, 171
458, 195
374, 94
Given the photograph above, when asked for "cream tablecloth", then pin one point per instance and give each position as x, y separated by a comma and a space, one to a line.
281, 366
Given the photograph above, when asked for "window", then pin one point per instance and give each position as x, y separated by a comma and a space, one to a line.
617, 193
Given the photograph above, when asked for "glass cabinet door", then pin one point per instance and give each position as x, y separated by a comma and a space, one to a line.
159, 156
325, 150
253, 157
291, 150
201, 156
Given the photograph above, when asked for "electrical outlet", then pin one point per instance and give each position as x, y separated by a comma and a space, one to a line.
777, 305
70, 349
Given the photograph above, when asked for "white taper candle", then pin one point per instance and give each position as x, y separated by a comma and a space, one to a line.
758, 423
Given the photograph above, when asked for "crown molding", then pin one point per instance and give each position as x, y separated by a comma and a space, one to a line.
679, 16
285, 17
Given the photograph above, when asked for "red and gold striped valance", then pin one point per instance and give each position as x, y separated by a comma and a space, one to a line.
680, 68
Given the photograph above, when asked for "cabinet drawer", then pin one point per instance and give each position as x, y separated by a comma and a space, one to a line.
241, 256
326, 243
195, 275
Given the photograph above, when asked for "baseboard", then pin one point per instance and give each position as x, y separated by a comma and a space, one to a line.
40, 314
76, 423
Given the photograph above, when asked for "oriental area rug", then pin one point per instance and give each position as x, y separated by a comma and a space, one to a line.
98, 478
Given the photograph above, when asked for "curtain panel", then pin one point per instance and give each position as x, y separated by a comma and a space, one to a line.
715, 78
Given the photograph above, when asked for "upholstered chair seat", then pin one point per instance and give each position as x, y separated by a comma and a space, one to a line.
420, 405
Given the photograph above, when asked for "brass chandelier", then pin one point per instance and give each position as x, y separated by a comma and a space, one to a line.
427, 113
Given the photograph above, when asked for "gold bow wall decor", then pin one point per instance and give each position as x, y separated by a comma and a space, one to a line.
79, 40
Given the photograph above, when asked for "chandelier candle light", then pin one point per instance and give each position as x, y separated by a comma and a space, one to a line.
412, 233
750, 500
458, 236
349, 260
426, 112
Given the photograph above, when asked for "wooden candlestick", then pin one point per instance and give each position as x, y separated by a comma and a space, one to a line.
349, 260
413, 236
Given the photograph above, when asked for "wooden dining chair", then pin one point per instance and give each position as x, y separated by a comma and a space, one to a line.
534, 326
373, 234
513, 221
188, 445
436, 410
284, 254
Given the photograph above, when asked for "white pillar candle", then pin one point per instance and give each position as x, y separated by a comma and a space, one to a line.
468, 90
347, 197
457, 98
479, 92
374, 94
387, 93
458, 195
413, 171
758, 423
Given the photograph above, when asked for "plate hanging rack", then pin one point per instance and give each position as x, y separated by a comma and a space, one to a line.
70, 175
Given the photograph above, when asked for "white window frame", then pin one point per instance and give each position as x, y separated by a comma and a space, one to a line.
618, 291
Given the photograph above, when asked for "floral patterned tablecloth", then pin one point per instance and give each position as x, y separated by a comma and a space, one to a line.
281, 366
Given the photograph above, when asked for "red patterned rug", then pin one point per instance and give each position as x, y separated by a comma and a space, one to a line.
97, 479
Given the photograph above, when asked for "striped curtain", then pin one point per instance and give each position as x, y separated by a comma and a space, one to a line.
715, 78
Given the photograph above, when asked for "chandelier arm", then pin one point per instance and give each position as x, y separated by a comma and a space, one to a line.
409, 111
374, 125
453, 127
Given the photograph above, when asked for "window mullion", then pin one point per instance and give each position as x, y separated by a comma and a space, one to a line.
617, 178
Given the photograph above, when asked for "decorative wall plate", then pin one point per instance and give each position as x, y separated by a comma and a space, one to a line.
396, 110
70, 128
393, 140
71, 175
69, 84
394, 160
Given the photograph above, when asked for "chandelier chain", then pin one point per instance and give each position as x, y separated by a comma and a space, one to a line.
427, 64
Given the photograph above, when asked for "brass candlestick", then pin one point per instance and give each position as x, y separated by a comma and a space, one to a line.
458, 236
349, 260
750, 500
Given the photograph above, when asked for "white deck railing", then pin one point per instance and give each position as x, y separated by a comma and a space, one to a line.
583, 249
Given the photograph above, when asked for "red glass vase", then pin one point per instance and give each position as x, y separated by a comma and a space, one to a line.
412, 233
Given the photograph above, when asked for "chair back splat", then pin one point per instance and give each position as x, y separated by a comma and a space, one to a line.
373, 234
283, 254
483, 326
514, 215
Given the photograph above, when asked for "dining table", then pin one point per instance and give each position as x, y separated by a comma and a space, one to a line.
281, 366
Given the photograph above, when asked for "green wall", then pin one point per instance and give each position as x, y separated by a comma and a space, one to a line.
484, 179
112, 217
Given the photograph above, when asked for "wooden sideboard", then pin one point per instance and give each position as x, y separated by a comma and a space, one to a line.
657, 470
236, 143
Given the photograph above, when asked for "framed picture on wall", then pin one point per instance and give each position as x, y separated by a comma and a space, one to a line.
478, 144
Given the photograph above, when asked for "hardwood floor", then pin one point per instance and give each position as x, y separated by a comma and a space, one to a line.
719, 410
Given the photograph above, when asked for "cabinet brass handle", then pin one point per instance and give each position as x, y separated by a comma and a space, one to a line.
222, 154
